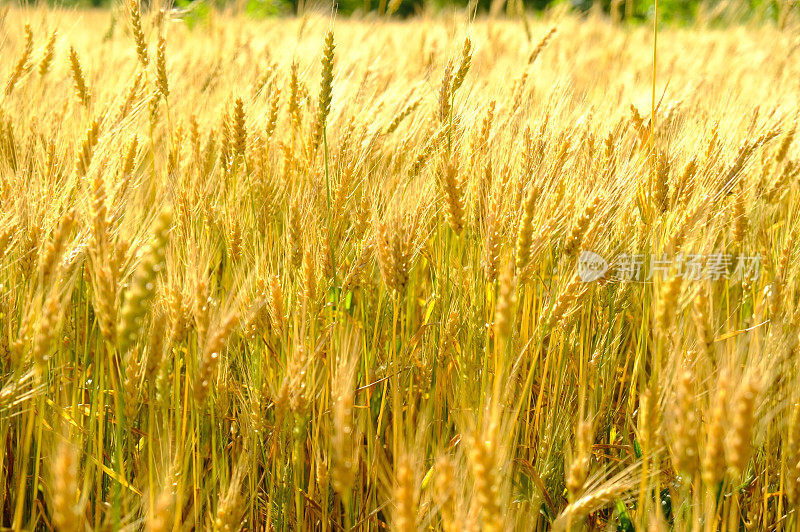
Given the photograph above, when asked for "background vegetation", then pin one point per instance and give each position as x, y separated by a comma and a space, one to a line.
681, 11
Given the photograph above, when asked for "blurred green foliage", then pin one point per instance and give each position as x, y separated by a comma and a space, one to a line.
669, 10
677, 11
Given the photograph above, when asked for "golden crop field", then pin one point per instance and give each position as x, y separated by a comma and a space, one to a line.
441, 273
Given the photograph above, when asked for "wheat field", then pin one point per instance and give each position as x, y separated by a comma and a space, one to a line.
320, 273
